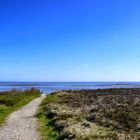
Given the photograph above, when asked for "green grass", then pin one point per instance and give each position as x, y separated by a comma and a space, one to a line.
14, 100
47, 132
50, 99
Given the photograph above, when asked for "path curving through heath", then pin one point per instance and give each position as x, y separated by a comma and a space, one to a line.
22, 124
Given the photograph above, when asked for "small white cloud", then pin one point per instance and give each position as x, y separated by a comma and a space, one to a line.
86, 65
82, 67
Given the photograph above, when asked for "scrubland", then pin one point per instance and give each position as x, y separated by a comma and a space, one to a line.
107, 114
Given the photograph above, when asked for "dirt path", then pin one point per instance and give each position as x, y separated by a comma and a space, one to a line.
22, 124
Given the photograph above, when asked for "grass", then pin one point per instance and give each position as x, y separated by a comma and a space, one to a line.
47, 131
14, 100
103, 133
50, 99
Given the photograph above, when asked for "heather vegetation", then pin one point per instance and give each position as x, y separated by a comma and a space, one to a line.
13, 100
108, 114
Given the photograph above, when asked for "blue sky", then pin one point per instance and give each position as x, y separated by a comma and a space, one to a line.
69, 40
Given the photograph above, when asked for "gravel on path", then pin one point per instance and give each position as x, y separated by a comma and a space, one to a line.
22, 124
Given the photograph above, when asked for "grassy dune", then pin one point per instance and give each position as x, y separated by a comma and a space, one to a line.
111, 114
13, 100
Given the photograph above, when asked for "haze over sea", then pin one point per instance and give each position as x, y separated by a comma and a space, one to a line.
49, 87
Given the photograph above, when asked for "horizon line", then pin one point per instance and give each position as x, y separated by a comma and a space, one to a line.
63, 81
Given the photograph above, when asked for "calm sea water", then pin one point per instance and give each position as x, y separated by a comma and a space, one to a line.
49, 87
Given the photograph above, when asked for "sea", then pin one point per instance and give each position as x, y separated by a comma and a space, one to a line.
49, 87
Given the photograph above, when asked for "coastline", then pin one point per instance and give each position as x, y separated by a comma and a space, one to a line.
49, 87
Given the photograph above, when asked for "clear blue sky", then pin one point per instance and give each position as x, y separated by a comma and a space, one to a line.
69, 40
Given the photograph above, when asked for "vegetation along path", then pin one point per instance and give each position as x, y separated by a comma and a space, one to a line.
22, 124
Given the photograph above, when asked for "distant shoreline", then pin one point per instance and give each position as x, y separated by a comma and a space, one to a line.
50, 87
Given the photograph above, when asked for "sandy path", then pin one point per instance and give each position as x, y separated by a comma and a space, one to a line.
22, 124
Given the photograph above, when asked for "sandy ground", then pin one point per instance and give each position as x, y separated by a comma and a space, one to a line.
22, 124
